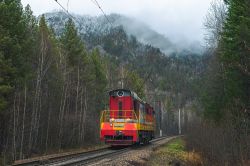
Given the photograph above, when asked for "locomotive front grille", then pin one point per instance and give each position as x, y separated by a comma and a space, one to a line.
118, 137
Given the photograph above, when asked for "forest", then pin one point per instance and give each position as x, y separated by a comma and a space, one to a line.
54, 80
222, 132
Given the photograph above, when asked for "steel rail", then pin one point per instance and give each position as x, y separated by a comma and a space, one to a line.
43, 160
92, 159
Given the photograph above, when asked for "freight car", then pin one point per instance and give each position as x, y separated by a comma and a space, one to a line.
128, 121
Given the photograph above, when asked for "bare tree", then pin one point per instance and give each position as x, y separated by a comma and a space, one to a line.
214, 23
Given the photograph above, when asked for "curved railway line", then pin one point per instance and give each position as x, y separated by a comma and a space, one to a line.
84, 158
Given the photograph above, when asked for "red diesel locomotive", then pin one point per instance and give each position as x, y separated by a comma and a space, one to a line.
128, 121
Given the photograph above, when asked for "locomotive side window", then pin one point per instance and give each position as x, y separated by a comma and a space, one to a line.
135, 105
136, 108
142, 113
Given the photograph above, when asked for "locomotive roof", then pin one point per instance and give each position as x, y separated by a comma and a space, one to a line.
133, 94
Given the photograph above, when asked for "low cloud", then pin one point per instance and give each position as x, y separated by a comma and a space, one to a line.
176, 19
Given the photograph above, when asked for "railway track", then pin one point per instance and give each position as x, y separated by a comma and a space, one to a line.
85, 157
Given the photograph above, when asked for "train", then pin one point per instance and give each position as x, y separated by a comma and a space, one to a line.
128, 121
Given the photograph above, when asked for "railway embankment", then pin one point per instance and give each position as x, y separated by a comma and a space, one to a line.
160, 151
174, 153
136, 156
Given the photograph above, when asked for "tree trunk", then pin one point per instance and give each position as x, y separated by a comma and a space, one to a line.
47, 132
24, 114
14, 129
61, 116
77, 96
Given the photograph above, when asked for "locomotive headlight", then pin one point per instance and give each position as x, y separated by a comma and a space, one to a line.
120, 93
111, 121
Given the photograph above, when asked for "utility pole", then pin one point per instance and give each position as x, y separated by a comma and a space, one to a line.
160, 118
179, 121
183, 120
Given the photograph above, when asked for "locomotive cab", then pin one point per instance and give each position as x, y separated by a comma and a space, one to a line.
129, 120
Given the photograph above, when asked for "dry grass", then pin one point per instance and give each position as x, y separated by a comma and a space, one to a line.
174, 153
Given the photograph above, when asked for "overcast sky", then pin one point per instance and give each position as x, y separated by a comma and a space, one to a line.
173, 18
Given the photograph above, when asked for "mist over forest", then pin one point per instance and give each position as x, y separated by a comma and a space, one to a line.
133, 27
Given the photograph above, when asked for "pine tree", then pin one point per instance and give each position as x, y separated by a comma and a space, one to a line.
99, 78
235, 55
16, 51
5, 87
11, 36
135, 83
72, 44
227, 83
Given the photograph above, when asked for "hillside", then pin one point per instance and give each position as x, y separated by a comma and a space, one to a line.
97, 27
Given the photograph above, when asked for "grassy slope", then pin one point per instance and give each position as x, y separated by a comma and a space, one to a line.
174, 153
